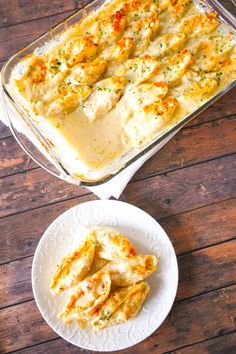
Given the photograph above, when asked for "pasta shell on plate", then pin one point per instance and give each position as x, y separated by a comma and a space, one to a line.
120, 306
74, 267
88, 295
97, 264
130, 271
111, 244
105, 311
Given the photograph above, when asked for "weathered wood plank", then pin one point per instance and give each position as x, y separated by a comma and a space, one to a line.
13, 158
34, 27
4, 131
169, 194
204, 270
190, 145
163, 195
186, 189
201, 227
20, 236
25, 326
188, 322
225, 344
230, 6
194, 320
15, 283
188, 231
200, 271
34, 189
14, 38
13, 12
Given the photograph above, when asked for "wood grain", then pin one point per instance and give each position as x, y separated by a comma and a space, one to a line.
16, 37
185, 325
13, 12
4, 131
162, 195
13, 158
15, 283
34, 189
225, 344
201, 227
207, 269
25, 326
21, 233
200, 271
187, 322
220, 135
188, 231
186, 189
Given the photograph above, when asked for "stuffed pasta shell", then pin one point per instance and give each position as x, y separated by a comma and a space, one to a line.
87, 297
74, 267
120, 306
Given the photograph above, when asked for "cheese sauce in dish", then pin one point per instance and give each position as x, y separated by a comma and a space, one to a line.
122, 76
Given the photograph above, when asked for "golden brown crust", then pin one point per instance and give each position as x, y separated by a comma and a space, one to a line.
74, 267
143, 42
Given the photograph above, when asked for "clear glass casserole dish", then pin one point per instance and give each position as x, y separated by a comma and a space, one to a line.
39, 147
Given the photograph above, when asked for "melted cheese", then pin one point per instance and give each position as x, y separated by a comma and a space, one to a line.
106, 276
104, 313
97, 264
199, 25
94, 94
127, 272
131, 306
121, 305
106, 93
74, 267
87, 297
111, 244
174, 68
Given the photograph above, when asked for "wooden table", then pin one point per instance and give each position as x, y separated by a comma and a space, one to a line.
189, 187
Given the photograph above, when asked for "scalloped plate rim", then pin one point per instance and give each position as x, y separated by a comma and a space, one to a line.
44, 237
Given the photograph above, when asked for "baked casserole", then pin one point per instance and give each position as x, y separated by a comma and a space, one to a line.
121, 76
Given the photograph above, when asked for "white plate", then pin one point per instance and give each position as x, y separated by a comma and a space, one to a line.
146, 235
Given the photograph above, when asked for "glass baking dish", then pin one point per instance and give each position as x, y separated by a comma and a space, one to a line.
39, 148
